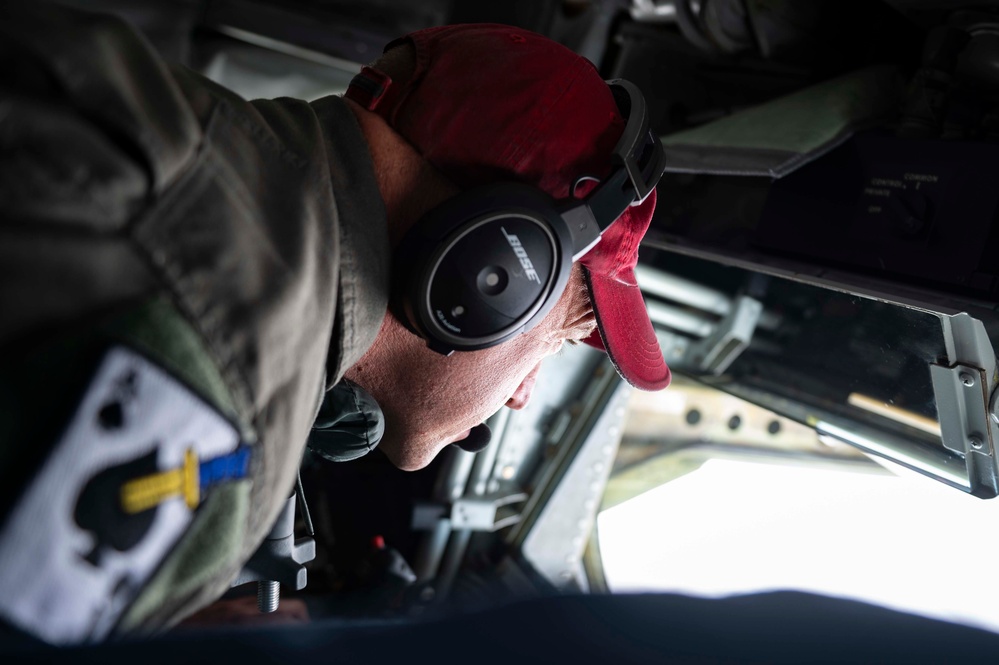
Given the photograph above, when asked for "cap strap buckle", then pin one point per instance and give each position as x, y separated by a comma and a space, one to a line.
368, 87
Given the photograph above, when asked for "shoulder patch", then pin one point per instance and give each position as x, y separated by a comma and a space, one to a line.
111, 500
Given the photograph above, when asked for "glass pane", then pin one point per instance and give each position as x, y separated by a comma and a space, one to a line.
819, 355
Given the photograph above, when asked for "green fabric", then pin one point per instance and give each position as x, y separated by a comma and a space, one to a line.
157, 330
775, 138
207, 549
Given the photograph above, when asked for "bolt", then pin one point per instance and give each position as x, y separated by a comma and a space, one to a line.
975, 442
967, 379
268, 596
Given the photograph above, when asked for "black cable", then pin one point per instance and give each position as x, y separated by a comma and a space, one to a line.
300, 491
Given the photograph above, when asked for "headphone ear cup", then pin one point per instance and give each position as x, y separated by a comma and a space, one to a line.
483, 267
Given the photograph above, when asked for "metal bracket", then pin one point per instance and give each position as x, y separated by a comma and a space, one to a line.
482, 513
490, 512
281, 556
965, 403
962, 407
717, 351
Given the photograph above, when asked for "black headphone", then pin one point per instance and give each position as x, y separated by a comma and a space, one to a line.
488, 264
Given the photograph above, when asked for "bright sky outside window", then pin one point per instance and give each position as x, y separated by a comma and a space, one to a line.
734, 527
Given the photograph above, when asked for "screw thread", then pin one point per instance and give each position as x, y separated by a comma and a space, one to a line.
268, 596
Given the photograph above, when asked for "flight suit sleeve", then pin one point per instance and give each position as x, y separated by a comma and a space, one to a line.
161, 241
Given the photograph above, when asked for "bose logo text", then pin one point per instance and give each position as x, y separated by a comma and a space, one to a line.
521, 253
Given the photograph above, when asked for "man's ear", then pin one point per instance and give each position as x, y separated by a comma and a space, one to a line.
522, 395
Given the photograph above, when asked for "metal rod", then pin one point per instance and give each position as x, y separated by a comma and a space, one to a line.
938, 463
482, 469
453, 556
653, 11
671, 287
300, 490
450, 487
680, 290
453, 553
268, 596
288, 49
679, 320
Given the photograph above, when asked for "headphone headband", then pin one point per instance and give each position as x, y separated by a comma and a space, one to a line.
640, 161
644, 168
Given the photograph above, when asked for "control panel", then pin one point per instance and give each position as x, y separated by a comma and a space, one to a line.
924, 209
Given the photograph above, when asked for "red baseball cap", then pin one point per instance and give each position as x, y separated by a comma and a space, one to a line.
488, 103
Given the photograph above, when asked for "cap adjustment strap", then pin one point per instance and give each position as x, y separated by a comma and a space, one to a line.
368, 88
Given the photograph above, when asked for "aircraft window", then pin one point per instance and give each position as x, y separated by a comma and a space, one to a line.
710, 495
908, 379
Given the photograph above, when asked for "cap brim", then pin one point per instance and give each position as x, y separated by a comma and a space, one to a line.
625, 332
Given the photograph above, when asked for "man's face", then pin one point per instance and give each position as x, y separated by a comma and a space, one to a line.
430, 400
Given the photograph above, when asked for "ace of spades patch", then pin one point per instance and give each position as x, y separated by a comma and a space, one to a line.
115, 494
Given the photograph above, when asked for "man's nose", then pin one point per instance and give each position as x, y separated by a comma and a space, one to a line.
522, 395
